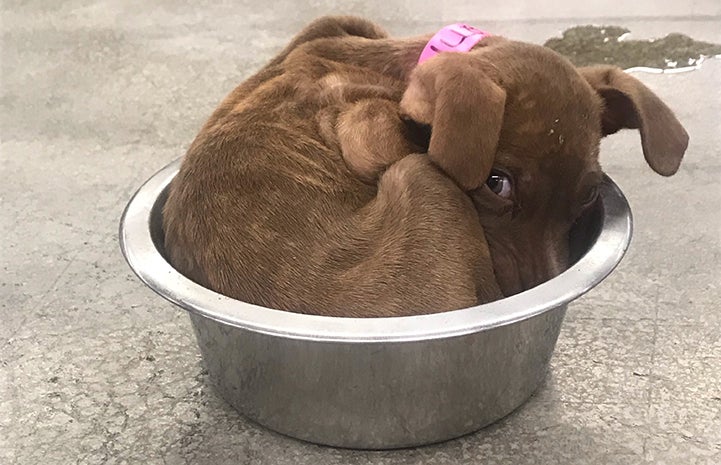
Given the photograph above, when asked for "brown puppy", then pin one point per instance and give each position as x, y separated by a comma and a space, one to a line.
306, 190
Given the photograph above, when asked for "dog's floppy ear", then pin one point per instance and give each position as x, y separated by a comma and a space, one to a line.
464, 107
630, 104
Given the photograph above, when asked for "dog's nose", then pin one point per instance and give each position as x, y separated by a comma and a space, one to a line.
525, 267
542, 268
555, 265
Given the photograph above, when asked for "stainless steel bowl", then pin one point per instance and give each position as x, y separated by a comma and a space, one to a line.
374, 383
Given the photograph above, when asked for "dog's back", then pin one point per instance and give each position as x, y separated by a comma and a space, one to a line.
260, 187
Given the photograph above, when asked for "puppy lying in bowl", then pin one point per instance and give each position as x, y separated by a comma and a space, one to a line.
347, 179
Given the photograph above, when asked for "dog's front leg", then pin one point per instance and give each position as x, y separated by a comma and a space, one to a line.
422, 246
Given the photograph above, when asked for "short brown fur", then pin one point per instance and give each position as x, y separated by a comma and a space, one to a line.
315, 188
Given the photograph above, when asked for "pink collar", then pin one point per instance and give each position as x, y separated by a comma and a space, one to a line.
452, 38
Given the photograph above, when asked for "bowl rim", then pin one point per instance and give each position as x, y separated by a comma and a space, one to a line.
149, 265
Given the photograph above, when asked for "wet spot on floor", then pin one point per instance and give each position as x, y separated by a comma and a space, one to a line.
612, 45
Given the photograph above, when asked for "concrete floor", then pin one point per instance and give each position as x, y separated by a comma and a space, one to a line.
94, 368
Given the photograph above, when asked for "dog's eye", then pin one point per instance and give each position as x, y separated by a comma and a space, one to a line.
499, 184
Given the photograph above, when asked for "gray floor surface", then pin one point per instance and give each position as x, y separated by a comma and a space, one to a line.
96, 369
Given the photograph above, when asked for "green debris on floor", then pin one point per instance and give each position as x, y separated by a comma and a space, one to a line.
588, 45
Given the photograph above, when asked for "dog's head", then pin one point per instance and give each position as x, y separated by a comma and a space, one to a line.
519, 128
